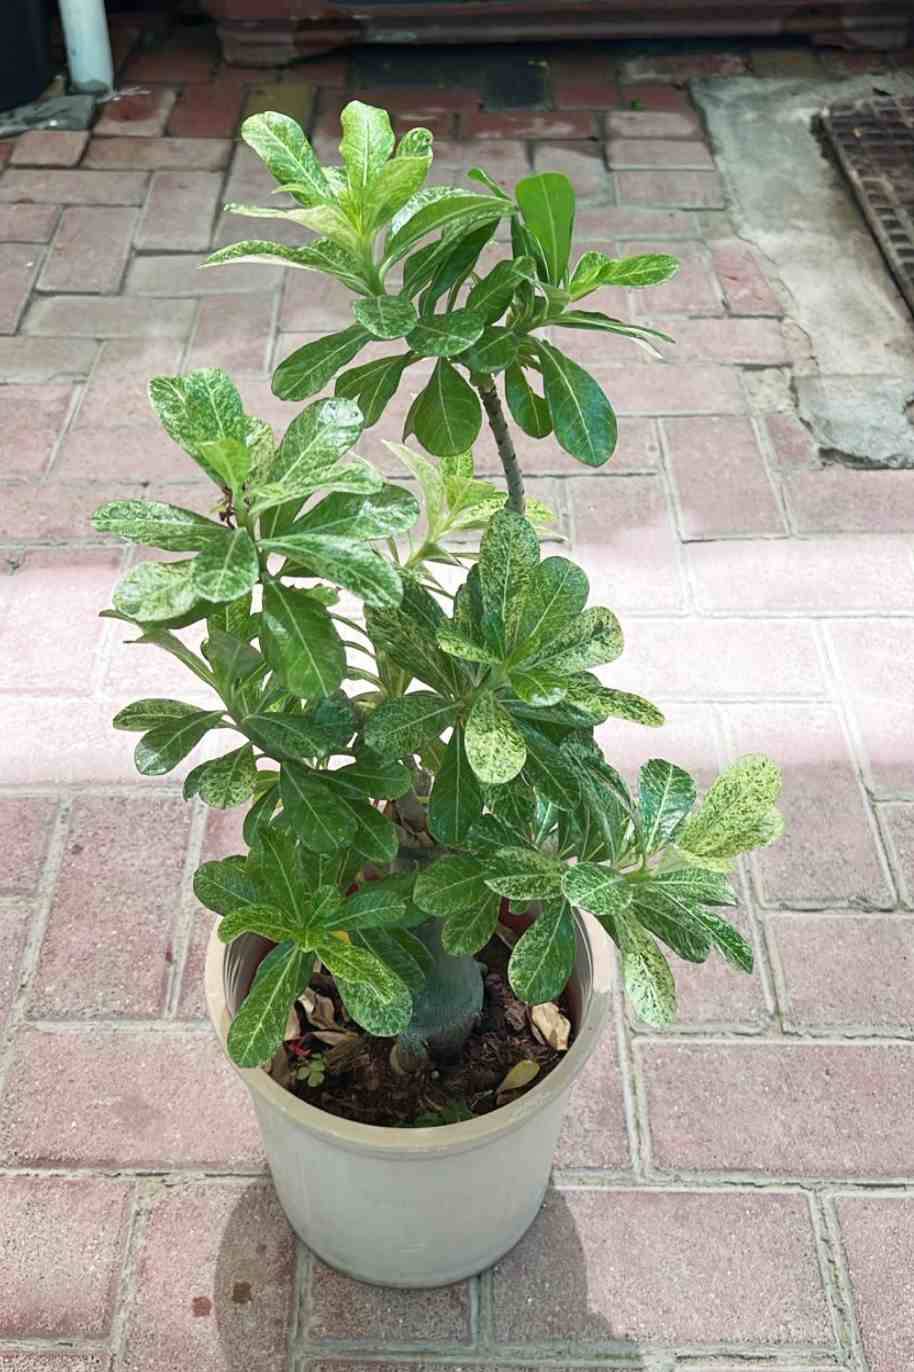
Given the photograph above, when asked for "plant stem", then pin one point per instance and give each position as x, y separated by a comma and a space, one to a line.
503, 441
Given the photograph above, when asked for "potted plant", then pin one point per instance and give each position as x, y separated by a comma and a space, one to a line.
420, 775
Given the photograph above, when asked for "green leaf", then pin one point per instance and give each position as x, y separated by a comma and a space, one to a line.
268, 923
322, 730
667, 795
606, 702
279, 872
582, 417
738, 812
257, 1029
402, 725
227, 569
321, 255
166, 745
300, 643
594, 639
155, 591
430, 480
669, 904
157, 525
495, 350
375, 838
386, 316
483, 177
408, 636
279, 142
225, 781
199, 408
603, 323
549, 770
452, 268
391, 510
230, 459
260, 814
543, 958
491, 296
596, 269
148, 714
457, 646
729, 941
368, 142
394, 187
597, 889
415, 143
377, 905
555, 596
646, 974
547, 202
494, 746
456, 800
307, 370
384, 1017
377, 778
373, 385
529, 411
345, 561
359, 966
445, 335
322, 823
466, 931
508, 556
451, 884
233, 659
525, 874
460, 208
313, 444
223, 885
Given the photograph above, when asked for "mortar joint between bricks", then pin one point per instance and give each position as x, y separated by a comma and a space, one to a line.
141, 1199
836, 1281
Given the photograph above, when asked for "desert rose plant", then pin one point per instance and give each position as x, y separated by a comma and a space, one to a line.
412, 767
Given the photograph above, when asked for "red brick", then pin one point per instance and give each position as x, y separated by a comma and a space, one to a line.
179, 212
74, 187
572, 93
177, 60
14, 929
55, 1360
653, 123
129, 1098
834, 575
527, 124
582, 162
30, 360
31, 421
712, 993
624, 540
87, 316
664, 1267
692, 290
89, 251
780, 1109
874, 658
19, 265
56, 512
312, 303
141, 451
215, 1283
828, 854
234, 332
638, 450
791, 442
594, 1133
207, 111
192, 1000
753, 342
27, 223
686, 66
25, 830
837, 500
159, 154
143, 114
878, 1236
846, 972
118, 395
49, 148
673, 390
6, 149
898, 825
342, 1308
743, 280
647, 153
718, 659
687, 189
416, 102
650, 96
123, 969
689, 737
623, 221
82, 1223
719, 478
64, 591
181, 274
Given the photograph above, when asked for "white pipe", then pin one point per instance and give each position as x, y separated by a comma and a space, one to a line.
85, 28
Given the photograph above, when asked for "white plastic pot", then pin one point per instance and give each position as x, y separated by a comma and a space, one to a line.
413, 1207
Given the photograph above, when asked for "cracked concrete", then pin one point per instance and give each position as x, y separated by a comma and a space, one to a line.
859, 421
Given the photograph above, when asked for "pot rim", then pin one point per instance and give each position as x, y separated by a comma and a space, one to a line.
593, 947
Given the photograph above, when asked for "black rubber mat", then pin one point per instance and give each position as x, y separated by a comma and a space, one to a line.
873, 141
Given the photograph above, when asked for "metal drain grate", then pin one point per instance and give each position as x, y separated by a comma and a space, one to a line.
874, 142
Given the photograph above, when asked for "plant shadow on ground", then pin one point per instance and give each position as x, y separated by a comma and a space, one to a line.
541, 1292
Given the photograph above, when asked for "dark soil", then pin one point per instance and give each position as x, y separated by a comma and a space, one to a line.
361, 1085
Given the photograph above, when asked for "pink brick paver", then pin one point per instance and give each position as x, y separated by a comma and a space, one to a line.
731, 1194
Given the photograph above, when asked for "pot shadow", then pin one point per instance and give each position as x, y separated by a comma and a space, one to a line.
535, 1300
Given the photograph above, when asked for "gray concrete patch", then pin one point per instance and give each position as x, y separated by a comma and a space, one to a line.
860, 421
794, 205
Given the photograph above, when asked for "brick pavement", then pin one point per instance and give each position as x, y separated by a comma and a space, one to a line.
731, 1193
